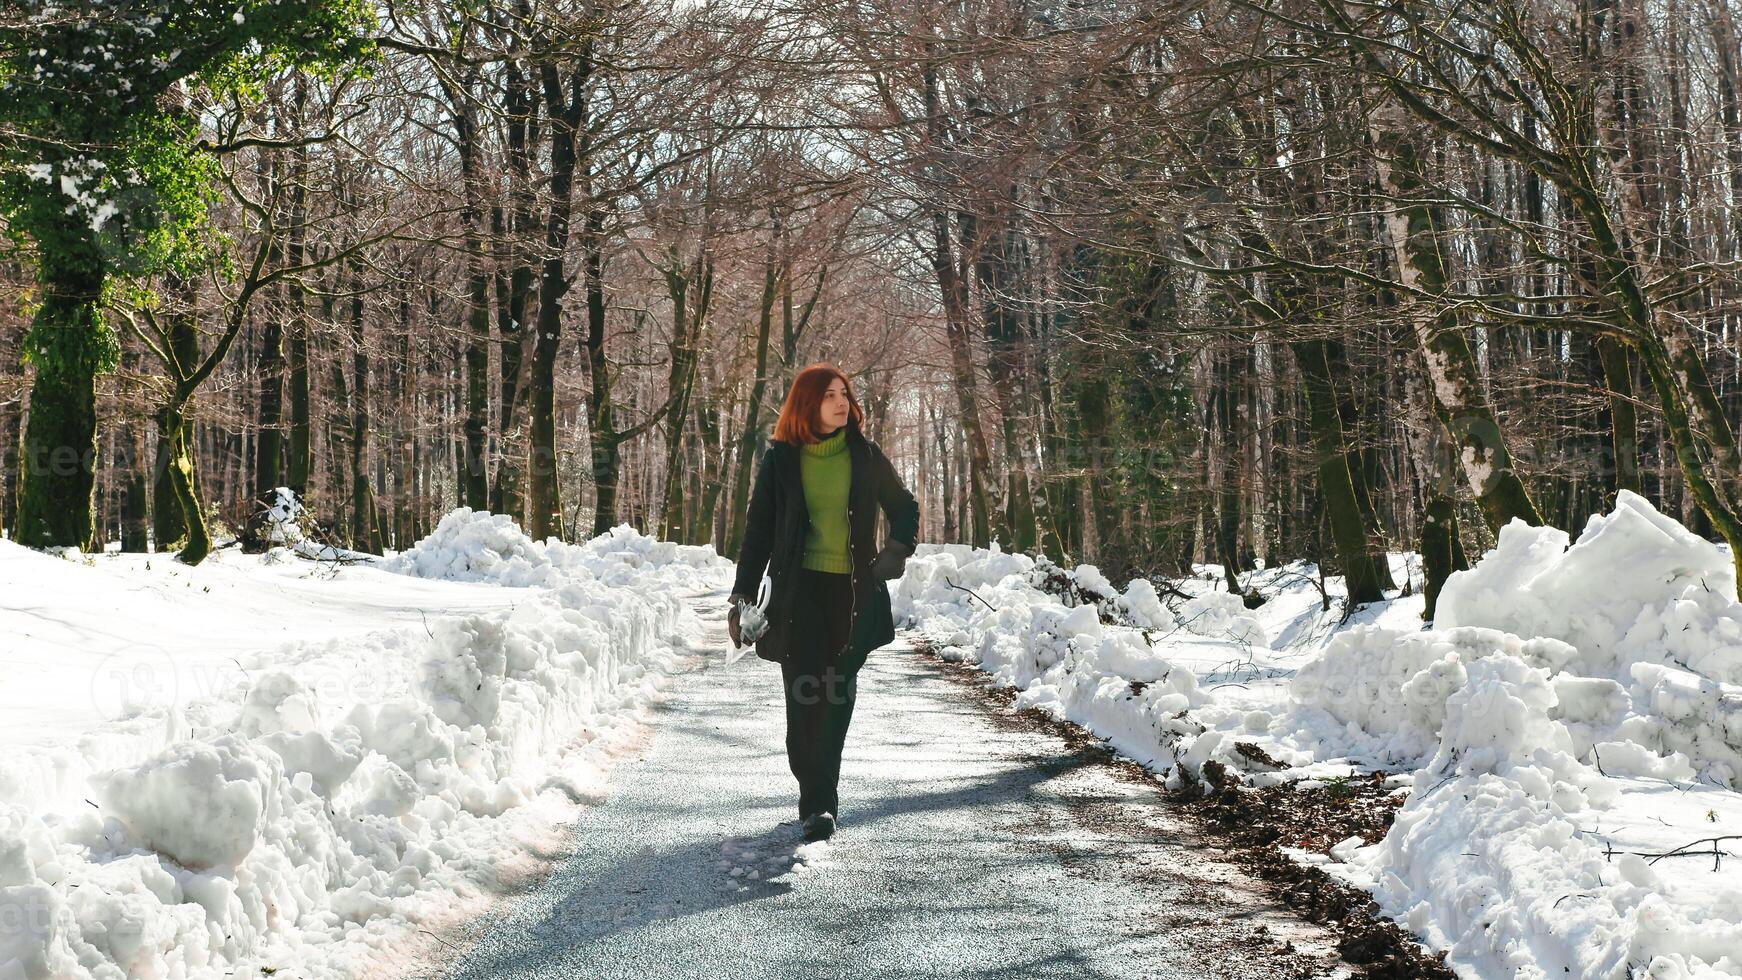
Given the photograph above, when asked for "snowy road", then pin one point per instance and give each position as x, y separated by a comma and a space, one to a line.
969, 846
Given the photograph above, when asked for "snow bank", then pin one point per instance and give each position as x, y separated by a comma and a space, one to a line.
323, 795
473, 546
1493, 857
1645, 665
1570, 728
1073, 645
1382, 693
1564, 691
1637, 587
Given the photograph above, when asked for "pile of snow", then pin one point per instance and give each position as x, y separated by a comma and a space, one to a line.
310, 805
1073, 645
1222, 614
1381, 694
1570, 730
1636, 588
283, 518
1584, 727
1523, 861
474, 546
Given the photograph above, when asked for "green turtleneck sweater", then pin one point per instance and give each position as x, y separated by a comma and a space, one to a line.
827, 470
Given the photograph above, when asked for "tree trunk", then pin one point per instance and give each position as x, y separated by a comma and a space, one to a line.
69, 344
1460, 402
567, 120
954, 290
268, 438
1231, 373
168, 524
135, 511
750, 435
688, 322
1336, 485
994, 269
515, 293
300, 464
602, 424
474, 473
1623, 417
713, 467
474, 470
1363, 464
175, 430
1441, 554
11, 428
963, 380
366, 530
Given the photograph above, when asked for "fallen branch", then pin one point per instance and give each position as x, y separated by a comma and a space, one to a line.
333, 559
971, 592
1718, 855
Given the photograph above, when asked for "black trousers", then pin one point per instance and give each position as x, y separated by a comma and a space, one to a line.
819, 694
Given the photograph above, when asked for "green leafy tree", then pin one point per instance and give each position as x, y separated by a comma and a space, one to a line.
103, 177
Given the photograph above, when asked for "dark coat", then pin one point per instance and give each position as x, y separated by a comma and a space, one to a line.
774, 539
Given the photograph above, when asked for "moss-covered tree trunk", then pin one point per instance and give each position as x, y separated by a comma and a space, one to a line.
69, 344
183, 343
1413, 228
1623, 417
181, 477
1336, 485
1441, 553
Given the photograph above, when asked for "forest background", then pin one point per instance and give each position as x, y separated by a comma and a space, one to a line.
1135, 284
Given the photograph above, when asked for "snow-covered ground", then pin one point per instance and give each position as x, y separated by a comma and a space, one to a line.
266, 763
269, 765
1569, 734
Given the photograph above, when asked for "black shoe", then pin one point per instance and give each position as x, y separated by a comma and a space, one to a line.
819, 826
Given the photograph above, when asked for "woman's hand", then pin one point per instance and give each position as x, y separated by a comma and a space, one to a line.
732, 619
892, 560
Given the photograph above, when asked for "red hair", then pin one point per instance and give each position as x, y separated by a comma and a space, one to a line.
804, 400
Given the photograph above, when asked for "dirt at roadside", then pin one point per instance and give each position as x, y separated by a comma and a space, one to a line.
1249, 828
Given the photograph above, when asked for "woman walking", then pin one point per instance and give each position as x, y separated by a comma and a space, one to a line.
812, 525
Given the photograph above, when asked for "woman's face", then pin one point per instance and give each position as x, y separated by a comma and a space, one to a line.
835, 407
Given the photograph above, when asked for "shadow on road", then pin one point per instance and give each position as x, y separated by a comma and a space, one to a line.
645, 885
